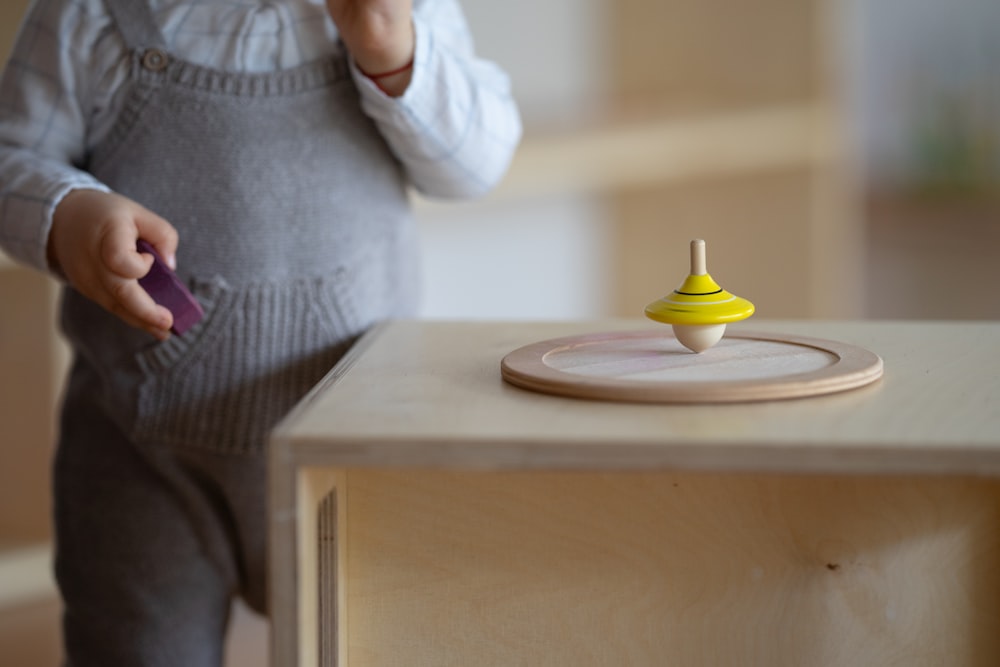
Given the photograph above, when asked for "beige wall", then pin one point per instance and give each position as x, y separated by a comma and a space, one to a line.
11, 12
30, 361
27, 398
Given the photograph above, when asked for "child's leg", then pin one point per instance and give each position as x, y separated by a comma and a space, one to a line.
139, 587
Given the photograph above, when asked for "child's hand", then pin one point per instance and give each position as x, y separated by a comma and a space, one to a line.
379, 35
92, 243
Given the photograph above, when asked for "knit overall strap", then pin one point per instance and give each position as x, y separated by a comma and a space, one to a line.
137, 24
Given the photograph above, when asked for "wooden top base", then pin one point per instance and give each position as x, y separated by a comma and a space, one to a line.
652, 367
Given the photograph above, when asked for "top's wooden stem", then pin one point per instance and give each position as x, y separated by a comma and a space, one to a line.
698, 265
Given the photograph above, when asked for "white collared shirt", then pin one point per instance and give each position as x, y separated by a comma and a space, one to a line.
454, 130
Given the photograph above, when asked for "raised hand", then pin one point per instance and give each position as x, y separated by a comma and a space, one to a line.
379, 35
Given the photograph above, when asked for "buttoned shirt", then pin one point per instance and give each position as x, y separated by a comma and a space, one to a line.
454, 129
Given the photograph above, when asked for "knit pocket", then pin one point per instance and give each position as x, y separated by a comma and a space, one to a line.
225, 383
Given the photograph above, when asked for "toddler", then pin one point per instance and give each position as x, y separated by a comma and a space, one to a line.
265, 149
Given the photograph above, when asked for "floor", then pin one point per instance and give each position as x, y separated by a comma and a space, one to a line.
29, 637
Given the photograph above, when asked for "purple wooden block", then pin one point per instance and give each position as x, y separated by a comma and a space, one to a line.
168, 291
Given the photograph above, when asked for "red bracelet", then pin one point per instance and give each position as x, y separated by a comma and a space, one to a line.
393, 72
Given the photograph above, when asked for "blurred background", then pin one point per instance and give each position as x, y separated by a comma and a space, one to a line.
840, 157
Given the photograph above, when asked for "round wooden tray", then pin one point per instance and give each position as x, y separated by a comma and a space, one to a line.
652, 367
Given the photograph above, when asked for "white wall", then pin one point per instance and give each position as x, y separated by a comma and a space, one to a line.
541, 259
925, 83
554, 50
538, 258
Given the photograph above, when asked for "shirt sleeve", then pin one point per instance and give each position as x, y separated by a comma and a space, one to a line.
456, 127
43, 120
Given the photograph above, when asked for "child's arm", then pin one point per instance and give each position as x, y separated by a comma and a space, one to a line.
454, 124
44, 121
54, 216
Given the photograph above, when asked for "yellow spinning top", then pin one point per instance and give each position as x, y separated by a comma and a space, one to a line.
699, 309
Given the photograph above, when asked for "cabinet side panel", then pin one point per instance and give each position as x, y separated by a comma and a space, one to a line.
635, 568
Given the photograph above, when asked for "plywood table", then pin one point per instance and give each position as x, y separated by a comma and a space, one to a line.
425, 512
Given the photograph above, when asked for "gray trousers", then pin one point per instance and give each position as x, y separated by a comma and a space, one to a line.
152, 544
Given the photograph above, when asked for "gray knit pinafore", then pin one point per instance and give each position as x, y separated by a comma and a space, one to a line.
295, 236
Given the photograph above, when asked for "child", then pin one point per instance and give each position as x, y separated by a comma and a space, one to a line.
264, 149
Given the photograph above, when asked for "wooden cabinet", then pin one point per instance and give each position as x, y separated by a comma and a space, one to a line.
425, 512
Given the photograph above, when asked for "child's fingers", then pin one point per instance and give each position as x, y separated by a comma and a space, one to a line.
129, 301
159, 233
119, 255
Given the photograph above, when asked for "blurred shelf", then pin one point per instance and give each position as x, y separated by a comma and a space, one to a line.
6, 262
623, 154
932, 255
748, 175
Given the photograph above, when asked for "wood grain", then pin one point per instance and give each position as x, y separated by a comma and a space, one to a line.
583, 569
652, 367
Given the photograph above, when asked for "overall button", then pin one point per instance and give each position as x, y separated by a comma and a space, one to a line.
155, 60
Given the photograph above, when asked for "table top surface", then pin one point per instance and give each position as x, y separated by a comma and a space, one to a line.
430, 394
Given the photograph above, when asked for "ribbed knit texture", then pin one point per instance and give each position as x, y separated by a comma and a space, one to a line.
264, 347
295, 236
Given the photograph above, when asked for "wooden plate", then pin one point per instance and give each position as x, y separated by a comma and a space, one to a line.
652, 367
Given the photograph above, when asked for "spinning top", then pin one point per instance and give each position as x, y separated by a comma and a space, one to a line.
699, 309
